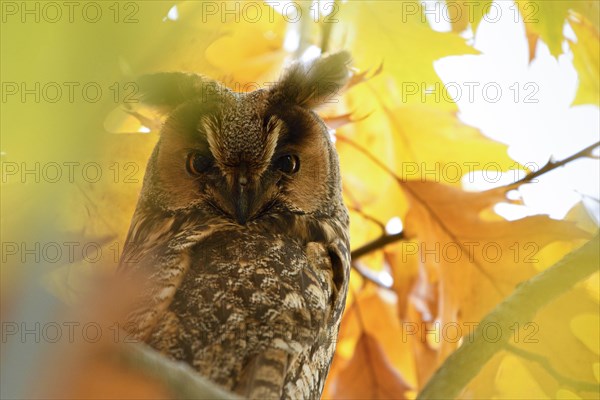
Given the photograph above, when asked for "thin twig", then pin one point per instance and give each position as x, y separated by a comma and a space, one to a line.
551, 165
365, 249
362, 271
376, 244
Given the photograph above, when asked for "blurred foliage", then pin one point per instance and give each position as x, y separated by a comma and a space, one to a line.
392, 339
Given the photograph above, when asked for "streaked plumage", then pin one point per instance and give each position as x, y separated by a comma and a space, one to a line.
240, 238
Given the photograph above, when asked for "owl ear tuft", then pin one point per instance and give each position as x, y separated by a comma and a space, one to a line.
170, 89
313, 84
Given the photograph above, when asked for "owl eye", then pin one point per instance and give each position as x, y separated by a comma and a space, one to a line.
197, 163
289, 164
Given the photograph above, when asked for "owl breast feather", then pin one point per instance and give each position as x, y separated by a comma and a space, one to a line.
247, 292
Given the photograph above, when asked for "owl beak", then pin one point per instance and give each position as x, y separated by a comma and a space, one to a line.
242, 208
242, 197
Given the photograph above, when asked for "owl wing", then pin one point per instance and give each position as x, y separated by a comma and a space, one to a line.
296, 365
155, 258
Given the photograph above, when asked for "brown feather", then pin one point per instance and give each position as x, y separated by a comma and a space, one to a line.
255, 303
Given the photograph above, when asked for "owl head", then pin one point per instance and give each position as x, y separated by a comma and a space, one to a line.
244, 155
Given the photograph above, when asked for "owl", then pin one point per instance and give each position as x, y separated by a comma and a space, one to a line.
239, 244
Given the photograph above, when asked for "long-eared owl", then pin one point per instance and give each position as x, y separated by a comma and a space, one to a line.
239, 243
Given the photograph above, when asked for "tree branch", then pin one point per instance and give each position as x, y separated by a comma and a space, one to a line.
376, 244
183, 381
520, 307
551, 165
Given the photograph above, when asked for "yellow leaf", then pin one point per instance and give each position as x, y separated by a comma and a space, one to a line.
461, 13
545, 19
247, 65
397, 34
585, 328
433, 144
586, 60
564, 394
560, 338
514, 381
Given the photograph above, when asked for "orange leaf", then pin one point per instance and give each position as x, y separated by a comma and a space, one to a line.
466, 255
369, 375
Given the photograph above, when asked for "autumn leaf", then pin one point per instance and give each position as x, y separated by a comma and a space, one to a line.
368, 375
461, 13
436, 141
586, 53
246, 68
545, 19
393, 32
472, 256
